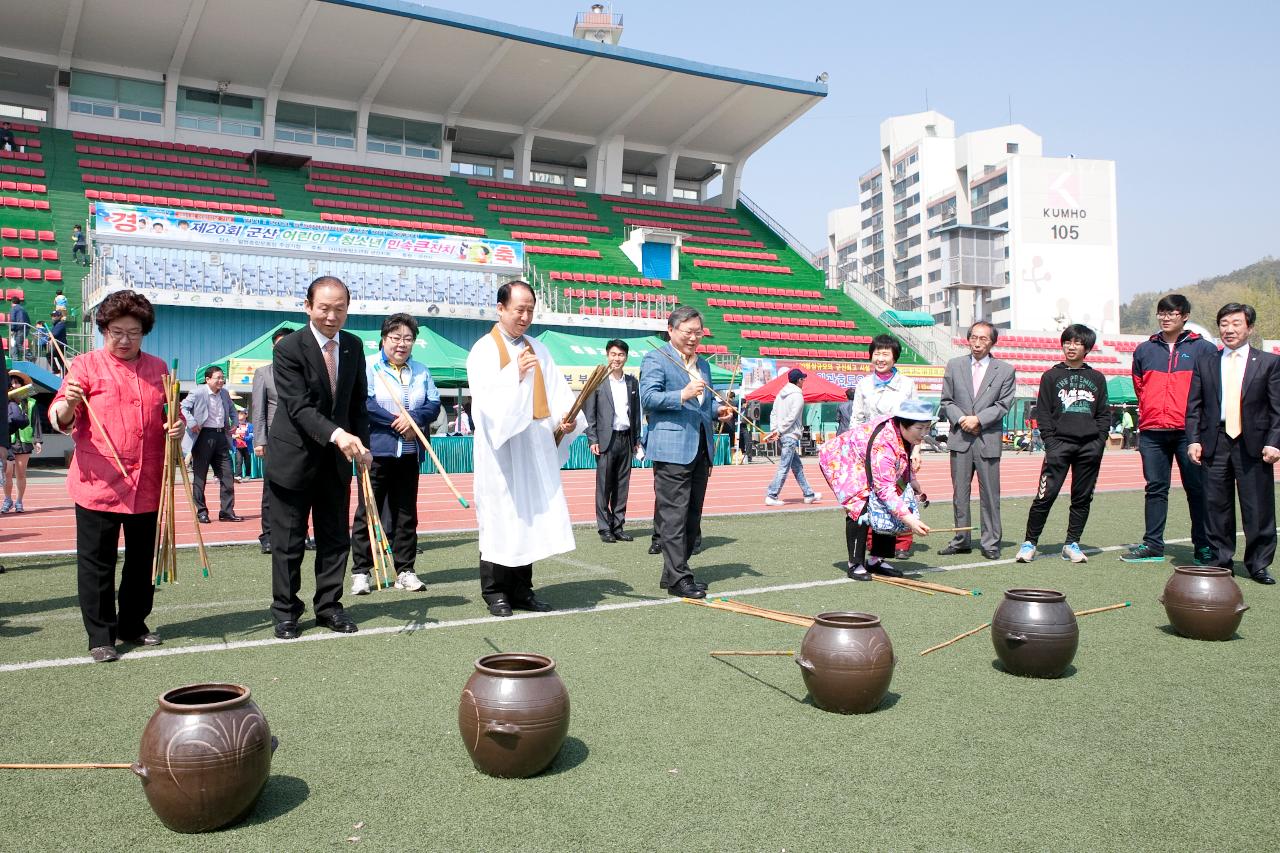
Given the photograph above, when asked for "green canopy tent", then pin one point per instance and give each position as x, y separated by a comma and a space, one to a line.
577, 355
446, 360
1120, 390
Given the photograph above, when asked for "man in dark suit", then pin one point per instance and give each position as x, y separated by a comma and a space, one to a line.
262, 410
977, 391
320, 428
1233, 426
675, 389
613, 430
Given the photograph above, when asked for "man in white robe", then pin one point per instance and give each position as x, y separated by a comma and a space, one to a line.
519, 399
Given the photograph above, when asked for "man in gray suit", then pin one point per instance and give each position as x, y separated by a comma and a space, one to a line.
261, 411
977, 391
210, 418
613, 430
844, 411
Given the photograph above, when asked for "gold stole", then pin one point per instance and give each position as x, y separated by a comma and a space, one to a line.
540, 408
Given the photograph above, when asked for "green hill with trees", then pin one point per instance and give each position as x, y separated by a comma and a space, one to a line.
1257, 284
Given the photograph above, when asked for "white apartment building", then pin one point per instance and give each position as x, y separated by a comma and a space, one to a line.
981, 226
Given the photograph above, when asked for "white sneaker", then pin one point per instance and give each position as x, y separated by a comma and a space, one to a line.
1071, 551
1026, 553
768, 501
813, 498
360, 584
409, 581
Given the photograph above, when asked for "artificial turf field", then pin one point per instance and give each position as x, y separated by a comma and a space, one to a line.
1151, 742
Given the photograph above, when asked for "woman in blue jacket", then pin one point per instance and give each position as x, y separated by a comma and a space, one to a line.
397, 453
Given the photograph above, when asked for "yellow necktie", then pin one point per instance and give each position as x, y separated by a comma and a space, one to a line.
540, 408
1231, 396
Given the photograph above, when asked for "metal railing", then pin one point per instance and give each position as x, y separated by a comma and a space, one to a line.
31, 343
774, 225
926, 344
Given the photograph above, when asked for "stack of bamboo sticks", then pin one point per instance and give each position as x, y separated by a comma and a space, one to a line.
593, 382
383, 562
925, 587
164, 564
733, 606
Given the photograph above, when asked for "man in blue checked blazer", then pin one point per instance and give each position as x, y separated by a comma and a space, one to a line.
675, 392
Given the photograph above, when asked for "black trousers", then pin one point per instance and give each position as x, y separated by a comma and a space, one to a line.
679, 491
1082, 459
515, 583
211, 449
97, 541
855, 542
328, 501
613, 483
395, 488
1228, 471
265, 536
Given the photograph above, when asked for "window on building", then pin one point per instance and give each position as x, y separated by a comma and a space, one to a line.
685, 195
1011, 148
211, 112
508, 174
648, 189
546, 178
404, 137
23, 113
628, 188
973, 257
982, 216
978, 195
309, 125
999, 304
936, 275
105, 96
474, 169
581, 182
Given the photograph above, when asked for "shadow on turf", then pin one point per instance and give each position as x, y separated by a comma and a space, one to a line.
281, 795
1168, 629
890, 699
572, 753
585, 593
724, 572
16, 630
1067, 673
27, 608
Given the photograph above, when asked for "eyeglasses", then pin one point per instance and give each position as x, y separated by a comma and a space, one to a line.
1168, 315
980, 339
401, 339
120, 335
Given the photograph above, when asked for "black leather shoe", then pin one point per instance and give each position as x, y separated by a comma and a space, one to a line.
884, 569
202, 517
954, 548
531, 602
104, 654
266, 547
623, 536
151, 638
1263, 577
310, 544
287, 630
991, 553
500, 607
655, 549
338, 621
855, 575
608, 537
700, 585
229, 516
686, 589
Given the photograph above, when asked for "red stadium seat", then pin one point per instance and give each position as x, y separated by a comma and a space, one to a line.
53, 275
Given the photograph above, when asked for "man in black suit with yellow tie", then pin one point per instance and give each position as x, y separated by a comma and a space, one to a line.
613, 430
1233, 429
320, 428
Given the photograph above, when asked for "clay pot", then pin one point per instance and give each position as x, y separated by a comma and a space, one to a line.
205, 756
1035, 632
1203, 602
847, 662
514, 714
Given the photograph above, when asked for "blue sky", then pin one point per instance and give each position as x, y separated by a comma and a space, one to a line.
1185, 97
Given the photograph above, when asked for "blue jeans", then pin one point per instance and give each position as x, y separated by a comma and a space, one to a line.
1158, 448
790, 461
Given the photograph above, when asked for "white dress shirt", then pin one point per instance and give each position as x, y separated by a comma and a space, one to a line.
621, 412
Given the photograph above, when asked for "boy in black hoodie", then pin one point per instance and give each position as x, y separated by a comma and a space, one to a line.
1074, 421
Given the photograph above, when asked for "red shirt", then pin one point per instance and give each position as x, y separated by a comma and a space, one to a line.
128, 398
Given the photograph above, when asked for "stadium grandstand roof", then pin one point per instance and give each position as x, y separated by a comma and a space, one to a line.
504, 88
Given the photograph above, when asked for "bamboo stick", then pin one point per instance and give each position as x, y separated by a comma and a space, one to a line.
775, 616
87, 766
936, 587
374, 550
422, 439
17, 393
93, 416
1091, 611
750, 654
745, 606
894, 582
594, 381
981, 627
950, 529
713, 391
191, 502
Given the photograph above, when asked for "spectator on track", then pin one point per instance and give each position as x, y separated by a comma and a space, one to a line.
25, 437
787, 423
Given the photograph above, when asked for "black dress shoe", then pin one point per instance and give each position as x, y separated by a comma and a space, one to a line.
202, 517
700, 585
655, 549
991, 553
531, 602
954, 548
884, 569
266, 547
623, 536
151, 638
338, 621
287, 630
229, 516
686, 589
500, 607
310, 544
608, 537
1263, 577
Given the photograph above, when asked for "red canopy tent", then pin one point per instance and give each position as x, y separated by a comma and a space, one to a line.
815, 388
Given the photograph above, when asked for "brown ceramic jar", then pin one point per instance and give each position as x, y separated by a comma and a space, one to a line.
205, 756
514, 714
847, 662
1035, 632
1203, 602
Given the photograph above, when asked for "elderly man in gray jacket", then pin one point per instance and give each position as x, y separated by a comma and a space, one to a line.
787, 422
